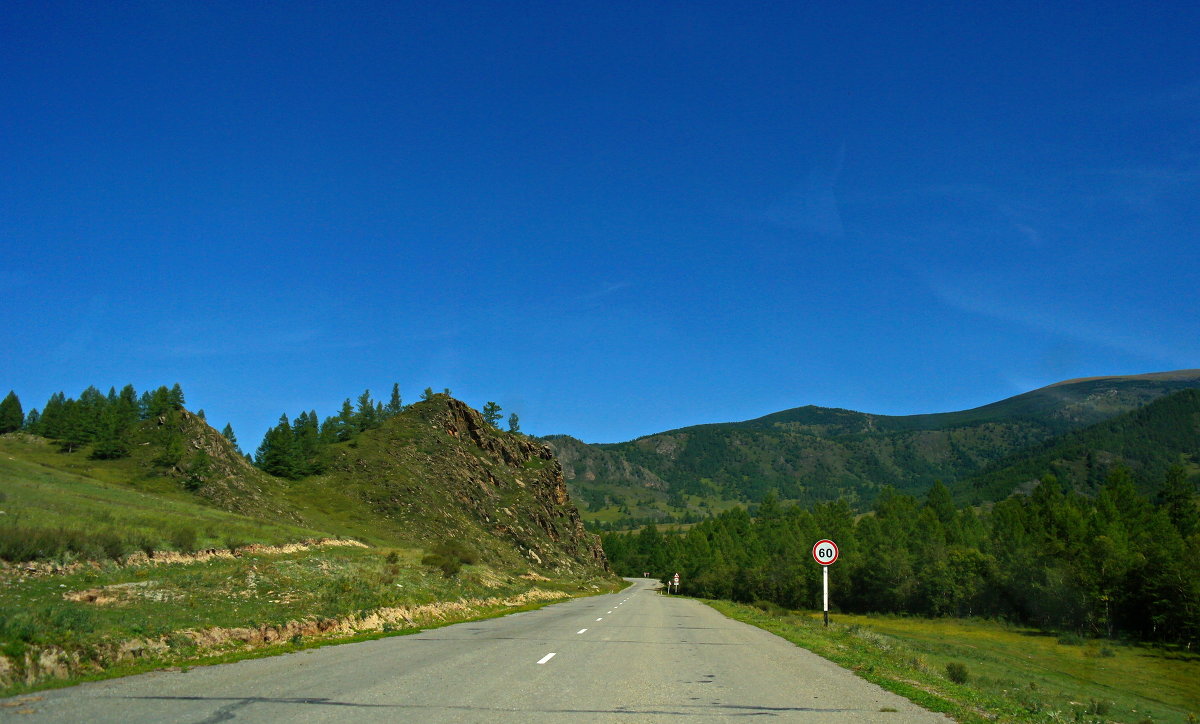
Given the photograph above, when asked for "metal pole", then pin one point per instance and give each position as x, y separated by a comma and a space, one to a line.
826, 577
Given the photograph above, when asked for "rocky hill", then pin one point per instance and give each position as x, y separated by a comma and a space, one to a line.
438, 471
432, 474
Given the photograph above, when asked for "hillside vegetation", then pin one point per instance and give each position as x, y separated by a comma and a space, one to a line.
813, 454
1108, 560
132, 534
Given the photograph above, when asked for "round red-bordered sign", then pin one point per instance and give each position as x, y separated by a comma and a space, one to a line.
825, 552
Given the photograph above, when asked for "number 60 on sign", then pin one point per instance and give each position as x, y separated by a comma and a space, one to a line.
825, 552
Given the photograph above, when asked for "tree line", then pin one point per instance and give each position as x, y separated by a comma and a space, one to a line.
1117, 563
297, 448
106, 422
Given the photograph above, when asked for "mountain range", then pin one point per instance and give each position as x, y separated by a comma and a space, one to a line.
809, 454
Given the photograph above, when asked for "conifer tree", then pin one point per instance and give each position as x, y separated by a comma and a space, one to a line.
514, 423
227, 433
52, 422
12, 417
346, 424
176, 396
278, 453
365, 415
33, 422
394, 405
1177, 497
491, 413
111, 440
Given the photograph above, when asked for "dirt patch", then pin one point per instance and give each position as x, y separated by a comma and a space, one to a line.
121, 593
161, 558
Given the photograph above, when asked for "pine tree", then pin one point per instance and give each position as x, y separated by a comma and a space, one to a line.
127, 406
1177, 497
176, 396
428, 394
33, 422
227, 433
346, 424
491, 413
394, 405
278, 453
365, 415
514, 423
12, 417
111, 439
52, 422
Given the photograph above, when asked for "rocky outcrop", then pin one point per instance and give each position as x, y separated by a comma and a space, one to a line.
440, 470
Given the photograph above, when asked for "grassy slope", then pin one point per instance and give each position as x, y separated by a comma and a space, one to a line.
402, 488
48, 490
1014, 674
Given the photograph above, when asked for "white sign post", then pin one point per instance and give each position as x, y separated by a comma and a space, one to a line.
676, 579
825, 552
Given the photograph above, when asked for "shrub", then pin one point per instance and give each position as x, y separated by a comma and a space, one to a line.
449, 556
957, 672
770, 608
183, 538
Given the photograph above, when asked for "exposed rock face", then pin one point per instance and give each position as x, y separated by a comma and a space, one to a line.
534, 469
587, 463
448, 474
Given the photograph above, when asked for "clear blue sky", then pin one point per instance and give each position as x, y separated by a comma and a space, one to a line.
612, 218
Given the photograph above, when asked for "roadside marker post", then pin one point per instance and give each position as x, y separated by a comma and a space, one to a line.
825, 552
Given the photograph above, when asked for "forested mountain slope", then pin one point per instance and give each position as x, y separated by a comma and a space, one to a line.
1147, 441
811, 454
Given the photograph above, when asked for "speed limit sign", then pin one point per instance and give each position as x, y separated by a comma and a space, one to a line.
825, 552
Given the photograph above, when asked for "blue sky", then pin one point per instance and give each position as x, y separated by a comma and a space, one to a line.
611, 218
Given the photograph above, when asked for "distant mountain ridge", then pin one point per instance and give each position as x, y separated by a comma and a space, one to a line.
815, 453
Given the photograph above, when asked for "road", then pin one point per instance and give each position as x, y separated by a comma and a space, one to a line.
634, 656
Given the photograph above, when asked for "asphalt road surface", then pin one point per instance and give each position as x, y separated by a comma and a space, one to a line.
634, 656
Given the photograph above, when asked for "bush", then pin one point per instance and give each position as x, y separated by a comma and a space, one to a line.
770, 608
184, 539
448, 566
449, 556
957, 672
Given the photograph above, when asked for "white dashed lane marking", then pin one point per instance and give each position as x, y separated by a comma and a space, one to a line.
546, 658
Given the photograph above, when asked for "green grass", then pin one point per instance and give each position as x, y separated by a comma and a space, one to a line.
1011, 674
73, 508
160, 602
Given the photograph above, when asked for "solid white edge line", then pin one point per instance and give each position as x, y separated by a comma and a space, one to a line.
546, 658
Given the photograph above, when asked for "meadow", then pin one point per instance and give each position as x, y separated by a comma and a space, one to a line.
979, 671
